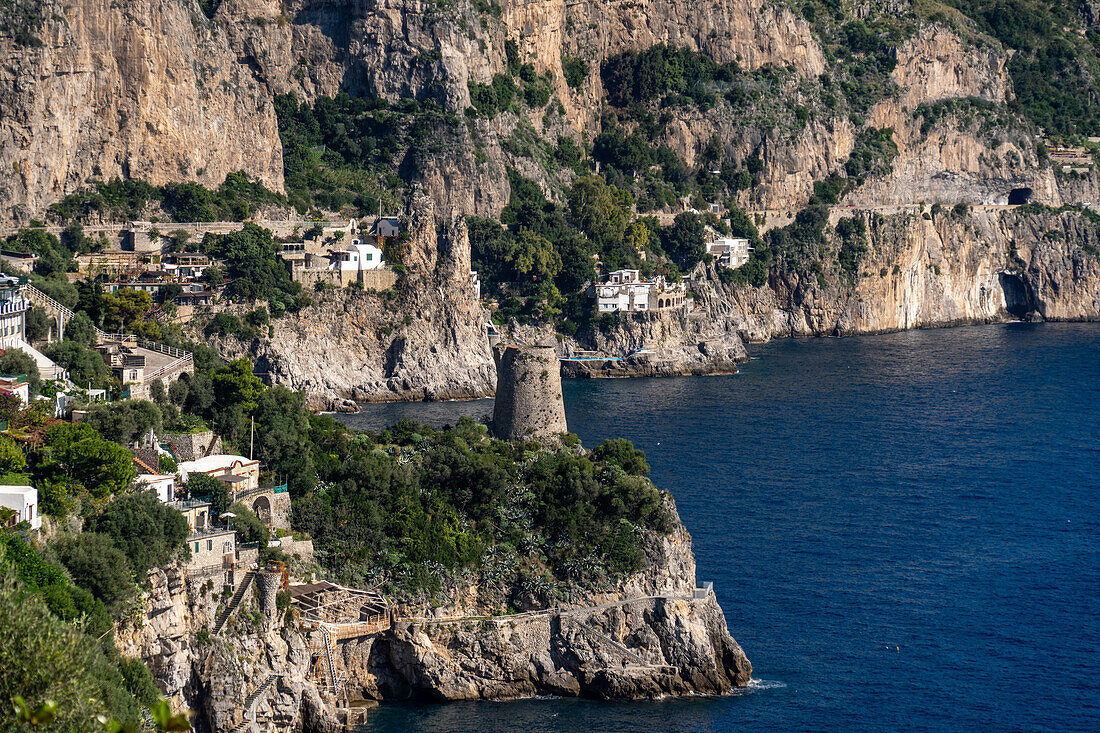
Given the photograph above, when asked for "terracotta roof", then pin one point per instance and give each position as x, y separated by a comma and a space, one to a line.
146, 466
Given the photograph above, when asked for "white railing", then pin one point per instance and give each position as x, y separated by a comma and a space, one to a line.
183, 358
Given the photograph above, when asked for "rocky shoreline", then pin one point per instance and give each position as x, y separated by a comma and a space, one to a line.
653, 634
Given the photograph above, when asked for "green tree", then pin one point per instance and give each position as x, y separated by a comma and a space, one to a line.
190, 202
598, 210
53, 257
532, 260
208, 488
101, 466
84, 365
235, 385
147, 531
125, 308
124, 421
282, 437
248, 525
254, 267
96, 563
44, 658
684, 241
16, 361
12, 458
623, 454
38, 325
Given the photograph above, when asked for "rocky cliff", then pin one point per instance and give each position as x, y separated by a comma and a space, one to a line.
425, 339
651, 635
697, 339
147, 90
212, 675
984, 267
160, 91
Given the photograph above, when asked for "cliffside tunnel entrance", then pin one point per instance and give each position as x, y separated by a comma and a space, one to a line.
1017, 299
1020, 196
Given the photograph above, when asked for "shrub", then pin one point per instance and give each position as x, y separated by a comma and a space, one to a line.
97, 564
147, 531
575, 70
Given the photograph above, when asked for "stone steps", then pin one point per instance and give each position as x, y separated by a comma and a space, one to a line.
234, 601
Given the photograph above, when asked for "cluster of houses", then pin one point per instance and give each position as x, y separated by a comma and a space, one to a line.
141, 262
211, 539
625, 291
361, 261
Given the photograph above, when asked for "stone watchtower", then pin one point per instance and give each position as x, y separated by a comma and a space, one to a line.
528, 401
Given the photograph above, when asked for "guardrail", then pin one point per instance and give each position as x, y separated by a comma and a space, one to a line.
184, 358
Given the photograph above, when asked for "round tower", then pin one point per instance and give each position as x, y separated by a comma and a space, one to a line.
268, 584
528, 403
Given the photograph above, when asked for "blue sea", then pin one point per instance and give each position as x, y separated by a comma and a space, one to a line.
903, 531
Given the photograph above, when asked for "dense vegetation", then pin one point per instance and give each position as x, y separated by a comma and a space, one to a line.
255, 270
1056, 68
353, 153
538, 262
59, 663
519, 86
416, 505
236, 199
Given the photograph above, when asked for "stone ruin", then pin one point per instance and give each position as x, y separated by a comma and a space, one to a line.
528, 403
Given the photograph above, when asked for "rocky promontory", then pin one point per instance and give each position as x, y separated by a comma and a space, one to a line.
655, 633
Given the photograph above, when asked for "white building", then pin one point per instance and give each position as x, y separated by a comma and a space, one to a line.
358, 256
13, 312
165, 486
237, 472
387, 226
625, 291
730, 252
24, 500
17, 386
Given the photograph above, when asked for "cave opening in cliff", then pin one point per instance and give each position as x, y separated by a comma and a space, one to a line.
1020, 196
1017, 301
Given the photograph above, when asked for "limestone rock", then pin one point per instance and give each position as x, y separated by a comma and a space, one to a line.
143, 89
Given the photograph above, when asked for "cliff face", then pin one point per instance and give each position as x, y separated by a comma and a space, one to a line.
213, 675
986, 267
647, 637
424, 340
142, 89
697, 339
159, 91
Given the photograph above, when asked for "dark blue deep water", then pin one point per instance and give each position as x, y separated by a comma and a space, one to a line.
903, 531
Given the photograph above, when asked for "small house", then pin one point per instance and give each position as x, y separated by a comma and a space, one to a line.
237, 472
24, 500
730, 252
386, 226
164, 486
17, 386
357, 257
212, 551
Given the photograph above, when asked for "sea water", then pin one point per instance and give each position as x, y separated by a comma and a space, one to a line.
903, 532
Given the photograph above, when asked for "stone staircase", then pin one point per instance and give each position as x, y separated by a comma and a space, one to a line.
252, 702
234, 601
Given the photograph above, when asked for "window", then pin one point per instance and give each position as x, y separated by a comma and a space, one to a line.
209, 545
370, 256
196, 547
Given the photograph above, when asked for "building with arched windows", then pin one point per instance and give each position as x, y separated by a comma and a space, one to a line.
625, 291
